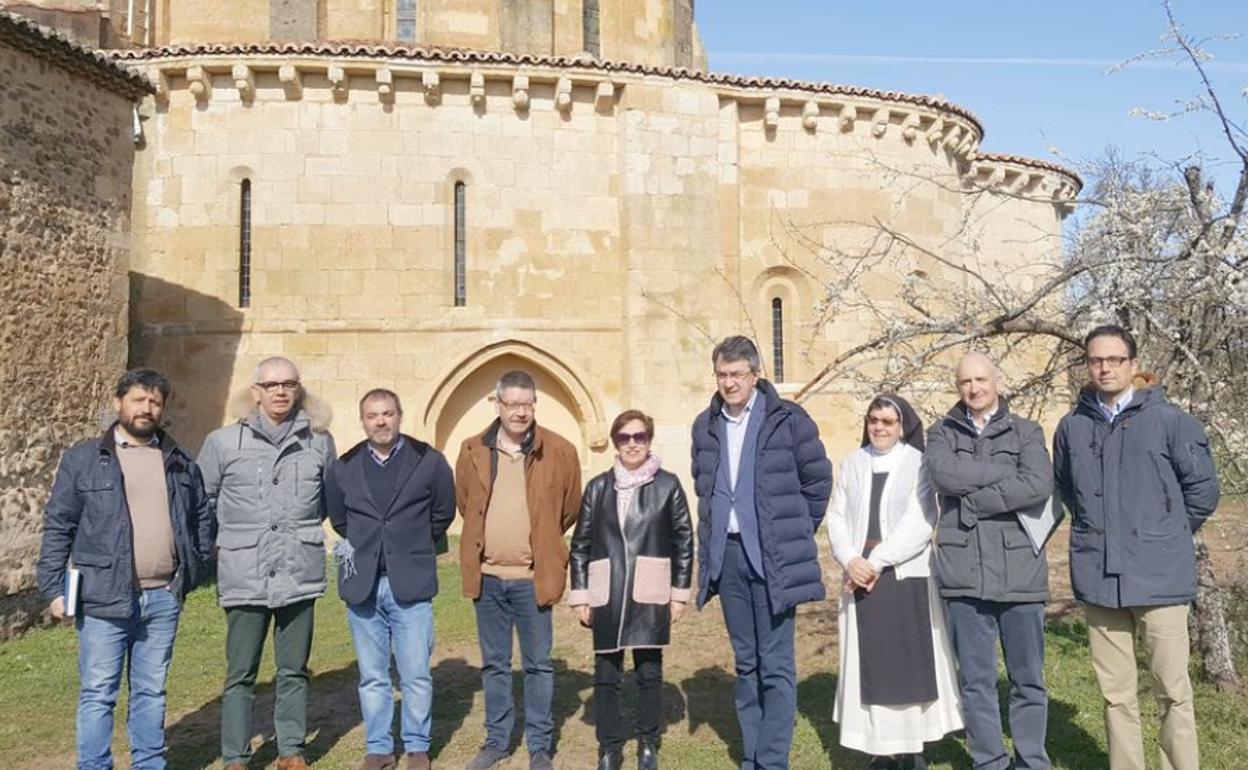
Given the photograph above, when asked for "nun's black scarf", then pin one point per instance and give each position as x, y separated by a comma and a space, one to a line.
911, 425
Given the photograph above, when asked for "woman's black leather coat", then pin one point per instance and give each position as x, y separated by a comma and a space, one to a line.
630, 574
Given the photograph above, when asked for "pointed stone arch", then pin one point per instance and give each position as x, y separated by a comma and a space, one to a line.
463, 386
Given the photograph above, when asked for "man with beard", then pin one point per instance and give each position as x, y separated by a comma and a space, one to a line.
518, 487
264, 479
391, 499
128, 508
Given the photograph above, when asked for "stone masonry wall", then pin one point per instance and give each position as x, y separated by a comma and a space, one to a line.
66, 151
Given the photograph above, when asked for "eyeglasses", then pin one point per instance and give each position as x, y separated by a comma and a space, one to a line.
517, 406
272, 386
640, 439
887, 422
1112, 362
733, 376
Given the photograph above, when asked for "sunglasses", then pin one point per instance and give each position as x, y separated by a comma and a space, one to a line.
887, 422
640, 439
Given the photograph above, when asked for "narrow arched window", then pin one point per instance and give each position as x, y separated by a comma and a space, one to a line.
244, 244
461, 256
777, 339
590, 26
405, 20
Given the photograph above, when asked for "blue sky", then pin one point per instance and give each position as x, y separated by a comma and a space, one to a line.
1034, 72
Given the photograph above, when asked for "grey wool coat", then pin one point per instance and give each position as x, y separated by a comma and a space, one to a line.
982, 481
269, 504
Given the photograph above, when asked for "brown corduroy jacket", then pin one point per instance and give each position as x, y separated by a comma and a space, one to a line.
552, 479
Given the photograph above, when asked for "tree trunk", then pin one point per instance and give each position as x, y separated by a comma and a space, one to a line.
1211, 634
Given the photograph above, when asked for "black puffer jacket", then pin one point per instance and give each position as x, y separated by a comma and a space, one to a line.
629, 576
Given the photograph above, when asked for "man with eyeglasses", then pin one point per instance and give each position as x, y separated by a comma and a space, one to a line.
988, 465
1137, 475
518, 489
264, 476
763, 481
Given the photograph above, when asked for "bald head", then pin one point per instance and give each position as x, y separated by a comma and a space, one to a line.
979, 383
275, 368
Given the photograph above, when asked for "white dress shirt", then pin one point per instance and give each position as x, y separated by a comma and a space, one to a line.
736, 428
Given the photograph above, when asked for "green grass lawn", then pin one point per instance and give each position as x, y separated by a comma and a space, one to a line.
38, 690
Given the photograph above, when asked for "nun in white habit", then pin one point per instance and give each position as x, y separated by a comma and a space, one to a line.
898, 684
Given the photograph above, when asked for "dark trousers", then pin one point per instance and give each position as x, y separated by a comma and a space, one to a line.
762, 643
246, 629
974, 628
608, 668
505, 605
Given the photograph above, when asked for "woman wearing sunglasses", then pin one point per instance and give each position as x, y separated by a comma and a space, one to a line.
632, 567
898, 685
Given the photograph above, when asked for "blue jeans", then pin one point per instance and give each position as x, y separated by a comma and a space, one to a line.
504, 605
105, 645
381, 625
762, 644
974, 627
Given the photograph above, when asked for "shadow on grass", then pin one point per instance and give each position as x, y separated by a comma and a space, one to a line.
194, 740
1069, 744
709, 701
333, 711
455, 683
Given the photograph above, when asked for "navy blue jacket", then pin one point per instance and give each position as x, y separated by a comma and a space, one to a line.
1136, 490
409, 523
87, 519
792, 484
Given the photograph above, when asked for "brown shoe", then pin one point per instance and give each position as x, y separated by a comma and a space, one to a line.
418, 760
293, 762
378, 762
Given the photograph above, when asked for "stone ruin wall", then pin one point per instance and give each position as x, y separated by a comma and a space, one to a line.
66, 152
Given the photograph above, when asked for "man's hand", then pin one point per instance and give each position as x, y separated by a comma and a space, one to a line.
677, 609
57, 608
584, 614
861, 572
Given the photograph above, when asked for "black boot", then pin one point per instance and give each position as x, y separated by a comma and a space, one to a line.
647, 754
610, 759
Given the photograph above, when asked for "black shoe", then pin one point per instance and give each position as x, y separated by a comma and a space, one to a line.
610, 759
647, 754
913, 762
884, 763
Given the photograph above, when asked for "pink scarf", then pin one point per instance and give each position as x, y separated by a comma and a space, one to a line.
627, 482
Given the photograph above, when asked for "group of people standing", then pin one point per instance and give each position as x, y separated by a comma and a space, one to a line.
940, 535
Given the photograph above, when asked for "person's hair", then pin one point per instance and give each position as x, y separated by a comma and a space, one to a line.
737, 348
515, 379
255, 376
147, 379
380, 393
1113, 330
883, 402
628, 416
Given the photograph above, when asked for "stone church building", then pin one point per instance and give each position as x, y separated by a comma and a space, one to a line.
421, 194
